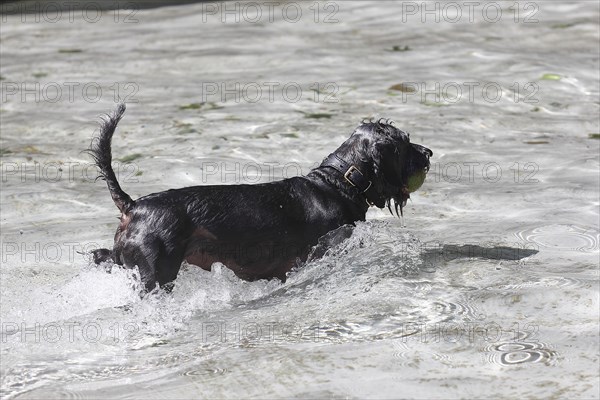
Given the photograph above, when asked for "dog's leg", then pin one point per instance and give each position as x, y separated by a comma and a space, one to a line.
154, 263
144, 257
167, 268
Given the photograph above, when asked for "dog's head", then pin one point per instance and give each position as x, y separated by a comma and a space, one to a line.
395, 166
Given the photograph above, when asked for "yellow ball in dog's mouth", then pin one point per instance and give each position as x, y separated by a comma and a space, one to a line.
415, 181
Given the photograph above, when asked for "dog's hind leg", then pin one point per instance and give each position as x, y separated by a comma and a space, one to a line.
154, 262
167, 268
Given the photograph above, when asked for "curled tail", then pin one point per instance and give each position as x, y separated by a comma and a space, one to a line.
100, 150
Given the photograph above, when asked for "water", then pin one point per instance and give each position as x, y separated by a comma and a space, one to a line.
395, 311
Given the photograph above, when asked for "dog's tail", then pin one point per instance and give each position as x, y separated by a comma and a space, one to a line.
100, 150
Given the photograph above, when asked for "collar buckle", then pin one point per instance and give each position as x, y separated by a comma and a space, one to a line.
352, 170
352, 175
349, 172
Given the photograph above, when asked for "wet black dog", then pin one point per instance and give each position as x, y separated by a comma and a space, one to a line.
259, 231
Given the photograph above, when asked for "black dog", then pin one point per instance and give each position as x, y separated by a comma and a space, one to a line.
259, 231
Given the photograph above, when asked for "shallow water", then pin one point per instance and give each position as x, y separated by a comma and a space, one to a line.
395, 311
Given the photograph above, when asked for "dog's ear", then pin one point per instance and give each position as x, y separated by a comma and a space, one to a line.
382, 153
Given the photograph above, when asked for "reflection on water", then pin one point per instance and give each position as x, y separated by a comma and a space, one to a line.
491, 277
562, 237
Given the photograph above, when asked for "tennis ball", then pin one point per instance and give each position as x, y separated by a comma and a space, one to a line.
415, 181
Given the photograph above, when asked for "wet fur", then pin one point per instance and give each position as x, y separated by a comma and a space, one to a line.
259, 231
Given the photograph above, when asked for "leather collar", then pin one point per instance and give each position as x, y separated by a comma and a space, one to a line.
354, 177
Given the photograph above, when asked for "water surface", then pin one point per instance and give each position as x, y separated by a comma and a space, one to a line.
401, 309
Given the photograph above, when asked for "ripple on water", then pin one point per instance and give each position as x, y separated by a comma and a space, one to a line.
522, 348
516, 353
340, 332
562, 237
566, 282
410, 356
51, 393
450, 310
545, 282
204, 372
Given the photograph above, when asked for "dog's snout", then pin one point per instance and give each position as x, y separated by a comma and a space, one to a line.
423, 161
423, 150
